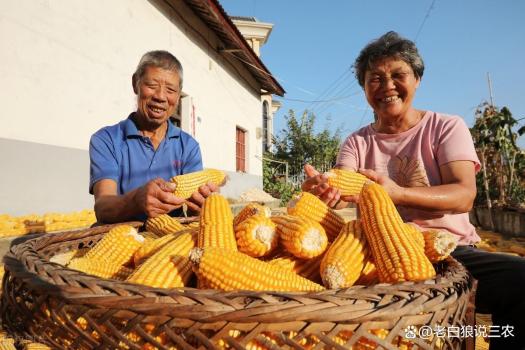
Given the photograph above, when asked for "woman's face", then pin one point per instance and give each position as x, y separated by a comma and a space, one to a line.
157, 95
390, 86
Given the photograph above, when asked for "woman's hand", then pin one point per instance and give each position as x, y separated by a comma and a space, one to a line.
317, 184
196, 200
395, 191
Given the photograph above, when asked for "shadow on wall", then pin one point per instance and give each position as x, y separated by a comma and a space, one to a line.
38, 178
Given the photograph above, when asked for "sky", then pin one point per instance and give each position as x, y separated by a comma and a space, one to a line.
313, 45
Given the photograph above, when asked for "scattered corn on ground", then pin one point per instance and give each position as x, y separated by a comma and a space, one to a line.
49, 222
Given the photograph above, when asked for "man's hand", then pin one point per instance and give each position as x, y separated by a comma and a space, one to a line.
196, 200
156, 198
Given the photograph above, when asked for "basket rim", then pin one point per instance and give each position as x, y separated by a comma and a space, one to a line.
25, 262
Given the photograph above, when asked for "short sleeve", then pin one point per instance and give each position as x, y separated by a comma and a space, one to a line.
455, 143
192, 156
103, 160
347, 156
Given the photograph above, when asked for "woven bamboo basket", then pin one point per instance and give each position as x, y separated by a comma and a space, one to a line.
67, 309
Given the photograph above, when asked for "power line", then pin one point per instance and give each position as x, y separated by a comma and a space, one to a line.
318, 109
319, 101
333, 85
425, 19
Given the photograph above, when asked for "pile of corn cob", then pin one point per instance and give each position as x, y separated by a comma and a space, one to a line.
49, 222
308, 249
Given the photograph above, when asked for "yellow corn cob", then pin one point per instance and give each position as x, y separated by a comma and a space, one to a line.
169, 267
151, 247
256, 236
232, 333
187, 184
36, 346
302, 237
415, 233
216, 224
348, 182
307, 268
308, 206
251, 209
367, 344
163, 224
117, 246
100, 267
194, 224
369, 274
439, 244
397, 256
7, 344
344, 261
233, 270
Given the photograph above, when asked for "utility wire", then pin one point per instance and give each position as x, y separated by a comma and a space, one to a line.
425, 19
332, 86
319, 101
342, 92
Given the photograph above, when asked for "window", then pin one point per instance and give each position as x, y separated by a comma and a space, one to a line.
265, 126
240, 150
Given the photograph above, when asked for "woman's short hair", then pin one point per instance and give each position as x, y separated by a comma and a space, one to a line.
390, 44
158, 58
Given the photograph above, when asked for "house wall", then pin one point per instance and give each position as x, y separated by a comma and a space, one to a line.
66, 69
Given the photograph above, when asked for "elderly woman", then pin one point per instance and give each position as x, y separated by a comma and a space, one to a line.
427, 163
131, 160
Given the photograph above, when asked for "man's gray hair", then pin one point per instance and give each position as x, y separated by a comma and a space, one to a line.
158, 58
392, 45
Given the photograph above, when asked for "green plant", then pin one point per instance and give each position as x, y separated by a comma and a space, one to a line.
275, 184
502, 161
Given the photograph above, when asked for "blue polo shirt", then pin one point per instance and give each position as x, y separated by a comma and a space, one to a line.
119, 152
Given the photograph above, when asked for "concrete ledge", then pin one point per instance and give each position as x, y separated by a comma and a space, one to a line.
507, 222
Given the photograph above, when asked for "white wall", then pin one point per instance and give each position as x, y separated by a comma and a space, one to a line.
66, 69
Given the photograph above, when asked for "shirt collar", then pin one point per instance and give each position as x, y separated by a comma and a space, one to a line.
173, 131
131, 130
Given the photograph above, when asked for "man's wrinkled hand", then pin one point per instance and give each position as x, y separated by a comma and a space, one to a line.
196, 201
157, 198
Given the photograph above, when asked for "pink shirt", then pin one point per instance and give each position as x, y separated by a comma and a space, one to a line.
412, 158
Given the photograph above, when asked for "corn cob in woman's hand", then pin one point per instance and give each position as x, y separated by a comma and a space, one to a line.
187, 184
348, 182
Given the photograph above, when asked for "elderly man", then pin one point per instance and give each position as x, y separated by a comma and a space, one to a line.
131, 160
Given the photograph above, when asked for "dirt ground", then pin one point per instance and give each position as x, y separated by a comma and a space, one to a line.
495, 242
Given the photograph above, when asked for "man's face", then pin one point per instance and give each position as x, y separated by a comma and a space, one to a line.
157, 95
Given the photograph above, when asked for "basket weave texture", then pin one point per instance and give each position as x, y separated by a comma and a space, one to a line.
67, 309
